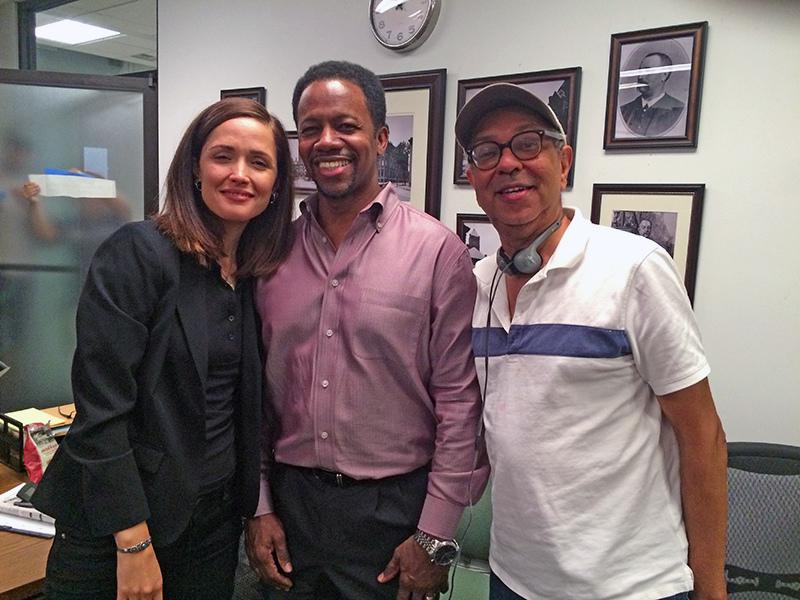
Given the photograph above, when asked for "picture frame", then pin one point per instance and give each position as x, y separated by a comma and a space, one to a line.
478, 233
259, 94
303, 184
664, 65
415, 103
559, 87
669, 214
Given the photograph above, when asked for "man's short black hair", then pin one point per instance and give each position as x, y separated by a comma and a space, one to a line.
360, 76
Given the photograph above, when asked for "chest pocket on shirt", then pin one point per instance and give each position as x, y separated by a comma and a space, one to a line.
388, 325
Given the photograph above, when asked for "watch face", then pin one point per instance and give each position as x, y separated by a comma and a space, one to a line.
403, 24
445, 554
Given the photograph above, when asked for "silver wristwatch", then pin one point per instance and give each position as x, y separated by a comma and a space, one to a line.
441, 552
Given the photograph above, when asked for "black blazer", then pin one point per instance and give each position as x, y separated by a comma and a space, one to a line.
136, 448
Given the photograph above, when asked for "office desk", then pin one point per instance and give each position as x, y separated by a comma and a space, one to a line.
22, 557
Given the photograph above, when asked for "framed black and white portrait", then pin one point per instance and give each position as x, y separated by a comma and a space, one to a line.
668, 214
560, 88
654, 84
259, 94
477, 232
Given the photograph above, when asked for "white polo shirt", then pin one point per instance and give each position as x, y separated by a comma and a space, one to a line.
586, 490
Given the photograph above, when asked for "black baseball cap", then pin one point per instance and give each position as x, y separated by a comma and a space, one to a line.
498, 95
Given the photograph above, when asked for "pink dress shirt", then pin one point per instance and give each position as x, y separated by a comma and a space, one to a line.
369, 359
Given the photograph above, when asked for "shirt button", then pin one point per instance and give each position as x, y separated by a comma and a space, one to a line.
335, 283
231, 318
324, 435
325, 383
329, 333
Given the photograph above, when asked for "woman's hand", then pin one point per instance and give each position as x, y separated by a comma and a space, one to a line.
138, 573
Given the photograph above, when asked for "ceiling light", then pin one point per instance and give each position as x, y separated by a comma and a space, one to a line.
73, 32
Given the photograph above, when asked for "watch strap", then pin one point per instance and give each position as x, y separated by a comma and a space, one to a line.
431, 544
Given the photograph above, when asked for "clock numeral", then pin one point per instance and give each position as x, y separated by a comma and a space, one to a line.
400, 37
388, 34
381, 24
411, 29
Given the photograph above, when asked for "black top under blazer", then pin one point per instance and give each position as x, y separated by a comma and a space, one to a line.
135, 450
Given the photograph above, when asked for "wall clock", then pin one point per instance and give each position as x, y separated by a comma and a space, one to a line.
403, 24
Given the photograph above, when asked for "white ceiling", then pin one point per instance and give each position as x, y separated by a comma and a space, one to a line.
134, 19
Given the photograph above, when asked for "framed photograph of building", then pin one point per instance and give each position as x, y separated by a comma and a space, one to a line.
303, 184
415, 116
259, 94
560, 88
654, 82
668, 214
476, 231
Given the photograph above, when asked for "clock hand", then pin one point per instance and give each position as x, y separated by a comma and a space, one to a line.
385, 5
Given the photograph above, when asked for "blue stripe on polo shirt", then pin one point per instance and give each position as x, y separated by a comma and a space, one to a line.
553, 339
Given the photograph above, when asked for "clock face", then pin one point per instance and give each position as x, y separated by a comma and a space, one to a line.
403, 24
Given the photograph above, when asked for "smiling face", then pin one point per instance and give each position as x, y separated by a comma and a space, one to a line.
521, 197
237, 169
338, 141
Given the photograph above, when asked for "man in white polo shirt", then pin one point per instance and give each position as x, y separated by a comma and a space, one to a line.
607, 454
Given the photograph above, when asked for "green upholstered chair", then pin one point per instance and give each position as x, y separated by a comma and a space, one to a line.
470, 575
763, 554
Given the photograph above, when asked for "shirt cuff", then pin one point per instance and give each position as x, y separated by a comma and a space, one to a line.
440, 518
264, 505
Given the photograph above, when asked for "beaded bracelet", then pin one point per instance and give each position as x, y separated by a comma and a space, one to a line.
136, 547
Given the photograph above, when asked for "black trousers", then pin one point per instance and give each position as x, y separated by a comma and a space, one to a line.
199, 565
341, 538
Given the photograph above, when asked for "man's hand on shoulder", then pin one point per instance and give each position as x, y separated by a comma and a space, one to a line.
265, 543
418, 575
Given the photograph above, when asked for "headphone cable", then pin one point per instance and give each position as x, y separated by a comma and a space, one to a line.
493, 286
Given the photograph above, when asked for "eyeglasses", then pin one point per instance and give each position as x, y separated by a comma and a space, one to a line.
525, 145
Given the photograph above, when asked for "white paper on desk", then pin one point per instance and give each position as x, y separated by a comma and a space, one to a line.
27, 526
74, 186
8, 505
26, 416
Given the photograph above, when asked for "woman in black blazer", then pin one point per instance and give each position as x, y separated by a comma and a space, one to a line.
162, 461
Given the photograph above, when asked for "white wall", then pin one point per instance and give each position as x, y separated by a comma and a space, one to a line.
748, 277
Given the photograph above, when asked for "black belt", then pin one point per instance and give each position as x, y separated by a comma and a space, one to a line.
341, 480
333, 478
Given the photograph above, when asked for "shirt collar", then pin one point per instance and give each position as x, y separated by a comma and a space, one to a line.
378, 211
649, 103
567, 254
572, 244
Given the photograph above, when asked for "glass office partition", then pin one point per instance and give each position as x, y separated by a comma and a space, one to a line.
86, 149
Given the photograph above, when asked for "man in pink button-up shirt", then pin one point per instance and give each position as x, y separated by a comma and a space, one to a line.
374, 397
